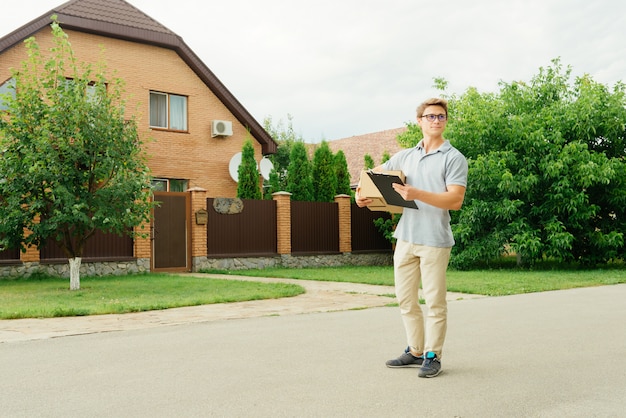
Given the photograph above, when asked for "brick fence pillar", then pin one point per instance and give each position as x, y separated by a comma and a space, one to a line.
143, 244
283, 222
198, 231
345, 223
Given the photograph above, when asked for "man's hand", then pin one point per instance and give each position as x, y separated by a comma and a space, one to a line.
361, 201
407, 192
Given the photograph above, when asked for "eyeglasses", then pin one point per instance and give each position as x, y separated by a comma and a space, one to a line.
432, 118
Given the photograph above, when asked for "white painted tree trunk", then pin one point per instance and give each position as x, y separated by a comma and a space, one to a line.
74, 273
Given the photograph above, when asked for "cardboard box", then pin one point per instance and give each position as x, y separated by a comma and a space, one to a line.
369, 190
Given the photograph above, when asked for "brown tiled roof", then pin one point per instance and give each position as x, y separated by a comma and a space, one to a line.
114, 12
119, 19
374, 144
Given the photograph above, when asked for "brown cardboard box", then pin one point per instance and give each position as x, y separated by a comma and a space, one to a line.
369, 190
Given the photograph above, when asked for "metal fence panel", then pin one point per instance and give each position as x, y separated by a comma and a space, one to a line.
314, 227
12, 254
365, 236
101, 246
252, 232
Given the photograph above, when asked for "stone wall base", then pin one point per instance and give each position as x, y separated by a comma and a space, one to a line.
142, 265
103, 268
326, 260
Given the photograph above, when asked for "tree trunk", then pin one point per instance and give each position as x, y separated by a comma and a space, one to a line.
75, 273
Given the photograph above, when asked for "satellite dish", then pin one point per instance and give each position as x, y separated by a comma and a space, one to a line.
266, 167
233, 166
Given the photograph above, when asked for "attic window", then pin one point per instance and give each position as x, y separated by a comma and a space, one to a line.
90, 89
168, 111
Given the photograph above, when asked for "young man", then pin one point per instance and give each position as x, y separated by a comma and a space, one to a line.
436, 178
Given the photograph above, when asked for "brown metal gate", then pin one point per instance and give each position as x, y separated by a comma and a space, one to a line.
171, 236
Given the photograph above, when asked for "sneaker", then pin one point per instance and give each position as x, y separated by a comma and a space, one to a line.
431, 366
406, 360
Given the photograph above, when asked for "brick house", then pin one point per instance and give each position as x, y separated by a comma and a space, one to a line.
195, 125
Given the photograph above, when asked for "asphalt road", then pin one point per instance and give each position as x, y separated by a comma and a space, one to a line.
551, 354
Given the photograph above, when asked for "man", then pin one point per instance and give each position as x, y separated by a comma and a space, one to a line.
436, 178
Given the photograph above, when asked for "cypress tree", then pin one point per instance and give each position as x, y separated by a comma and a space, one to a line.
299, 182
248, 186
342, 173
324, 174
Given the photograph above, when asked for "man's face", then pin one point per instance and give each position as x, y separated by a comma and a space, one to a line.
435, 127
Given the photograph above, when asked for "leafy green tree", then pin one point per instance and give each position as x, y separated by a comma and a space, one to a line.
547, 176
279, 132
368, 162
248, 174
299, 180
412, 135
280, 164
342, 174
285, 138
324, 174
71, 162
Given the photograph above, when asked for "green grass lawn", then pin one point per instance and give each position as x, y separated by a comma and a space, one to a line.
483, 282
51, 297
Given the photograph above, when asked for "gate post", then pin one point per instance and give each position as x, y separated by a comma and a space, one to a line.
198, 228
283, 222
345, 223
142, 246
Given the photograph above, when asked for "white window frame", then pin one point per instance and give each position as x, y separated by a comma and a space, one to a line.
165, 118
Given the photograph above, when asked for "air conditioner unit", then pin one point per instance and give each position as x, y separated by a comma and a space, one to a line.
221, 128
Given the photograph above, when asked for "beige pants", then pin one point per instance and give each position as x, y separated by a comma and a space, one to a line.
414, 264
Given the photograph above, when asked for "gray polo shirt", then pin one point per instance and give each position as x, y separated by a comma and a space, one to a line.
444, 166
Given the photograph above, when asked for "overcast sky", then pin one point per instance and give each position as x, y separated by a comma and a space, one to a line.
350, 67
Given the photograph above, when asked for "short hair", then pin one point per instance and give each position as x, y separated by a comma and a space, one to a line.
435, 101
